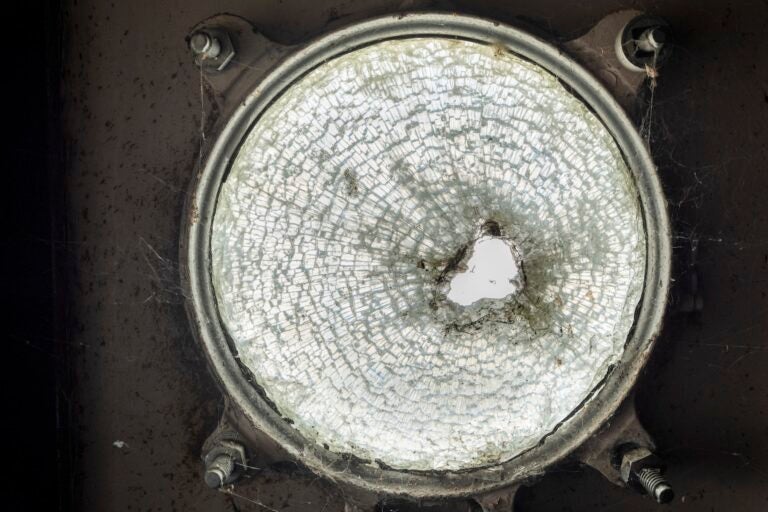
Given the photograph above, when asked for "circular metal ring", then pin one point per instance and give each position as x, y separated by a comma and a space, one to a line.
365, 475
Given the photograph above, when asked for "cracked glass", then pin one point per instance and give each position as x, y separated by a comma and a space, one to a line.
352, 225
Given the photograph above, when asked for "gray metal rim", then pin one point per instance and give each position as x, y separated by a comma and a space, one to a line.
572, 432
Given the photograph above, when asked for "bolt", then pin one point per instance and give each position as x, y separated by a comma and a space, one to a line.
204, 45
643, 42
225, 460
642, 469
655, 485
219, 470
652, 40
656, 37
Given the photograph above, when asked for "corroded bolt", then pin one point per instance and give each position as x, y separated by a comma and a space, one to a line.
224, 462
204, 45
642, 469
655, 485
219, 470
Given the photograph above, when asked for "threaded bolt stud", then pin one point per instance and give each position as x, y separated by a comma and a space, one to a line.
219, 471
655, 485
204, 45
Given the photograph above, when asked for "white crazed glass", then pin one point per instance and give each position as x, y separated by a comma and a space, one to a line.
355, 201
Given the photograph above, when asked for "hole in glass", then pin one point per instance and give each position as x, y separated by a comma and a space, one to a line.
492, 272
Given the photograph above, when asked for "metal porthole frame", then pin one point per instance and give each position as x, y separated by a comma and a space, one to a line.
368, 475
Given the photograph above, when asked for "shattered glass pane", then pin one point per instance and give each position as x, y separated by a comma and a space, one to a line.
357, 199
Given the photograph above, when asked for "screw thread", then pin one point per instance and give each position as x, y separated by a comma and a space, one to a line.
224, 463
219, 470
655, 485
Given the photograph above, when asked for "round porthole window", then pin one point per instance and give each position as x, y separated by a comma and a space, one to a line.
432, 246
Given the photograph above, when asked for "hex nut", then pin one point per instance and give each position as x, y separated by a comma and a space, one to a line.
637, 459
213, 48
204, 44
224, 463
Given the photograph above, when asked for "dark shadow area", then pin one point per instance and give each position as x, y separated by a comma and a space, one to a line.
34, 426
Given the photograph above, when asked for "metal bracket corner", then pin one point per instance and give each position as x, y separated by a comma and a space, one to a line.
596, 50
624, 428
244, 55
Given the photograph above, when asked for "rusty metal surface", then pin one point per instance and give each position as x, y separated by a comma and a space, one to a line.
132, 122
